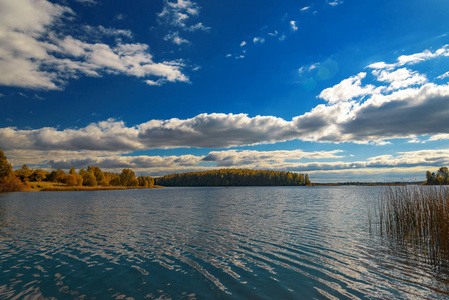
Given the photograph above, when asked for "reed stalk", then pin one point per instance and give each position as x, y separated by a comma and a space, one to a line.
416, 216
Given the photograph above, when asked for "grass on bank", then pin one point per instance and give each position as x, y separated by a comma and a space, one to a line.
15, 185
416, 216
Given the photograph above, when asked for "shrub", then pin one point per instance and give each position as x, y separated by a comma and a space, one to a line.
13, 184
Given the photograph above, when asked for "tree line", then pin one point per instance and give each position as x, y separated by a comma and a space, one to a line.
441, 177
92, 176
234, 177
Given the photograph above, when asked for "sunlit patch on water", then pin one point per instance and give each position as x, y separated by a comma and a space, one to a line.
196, 243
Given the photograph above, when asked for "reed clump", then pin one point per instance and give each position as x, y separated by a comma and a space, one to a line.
416, 216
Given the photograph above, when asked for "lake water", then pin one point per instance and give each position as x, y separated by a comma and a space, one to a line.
205, 243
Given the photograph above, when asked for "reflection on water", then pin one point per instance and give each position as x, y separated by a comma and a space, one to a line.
196, 243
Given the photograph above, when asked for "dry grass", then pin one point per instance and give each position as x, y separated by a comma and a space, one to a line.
17, 185
39, 186
416, 216
65, 188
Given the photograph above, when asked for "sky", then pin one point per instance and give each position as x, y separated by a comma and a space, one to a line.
344, 90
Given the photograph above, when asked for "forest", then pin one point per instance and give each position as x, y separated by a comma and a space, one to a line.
234, 177
441, 177
25, 178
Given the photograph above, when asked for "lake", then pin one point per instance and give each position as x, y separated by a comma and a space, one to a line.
205, 243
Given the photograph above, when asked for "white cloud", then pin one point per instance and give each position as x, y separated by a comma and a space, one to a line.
242, 43
179, 13
275, 33
443, 76
175, 38
305, 8
198, 26
335, 2
437, 137
406, 113
313, 66
347, 89
101, 30
415, 141
257, 40
293, 25
87, 1
229, 55
400, 78
408, 107
33, 56
286, 160
412, 59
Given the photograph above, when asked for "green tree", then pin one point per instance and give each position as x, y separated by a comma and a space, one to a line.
5, 167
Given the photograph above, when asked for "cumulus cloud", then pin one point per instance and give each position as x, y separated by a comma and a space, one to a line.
35, 53
400, 78
305, 8
408, 106
404, 113
347, 89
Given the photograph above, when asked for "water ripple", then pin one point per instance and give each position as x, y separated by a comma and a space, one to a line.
262, 243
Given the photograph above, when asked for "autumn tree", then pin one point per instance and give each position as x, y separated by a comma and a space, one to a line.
99, 176
89, 179
56, 176
145, 181
24, 173
38, 175
5, 167
128, 178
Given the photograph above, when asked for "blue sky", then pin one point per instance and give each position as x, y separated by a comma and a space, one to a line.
341, 90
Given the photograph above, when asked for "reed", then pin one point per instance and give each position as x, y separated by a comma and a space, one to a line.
416, 216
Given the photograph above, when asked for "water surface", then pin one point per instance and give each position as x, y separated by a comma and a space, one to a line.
205, 243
